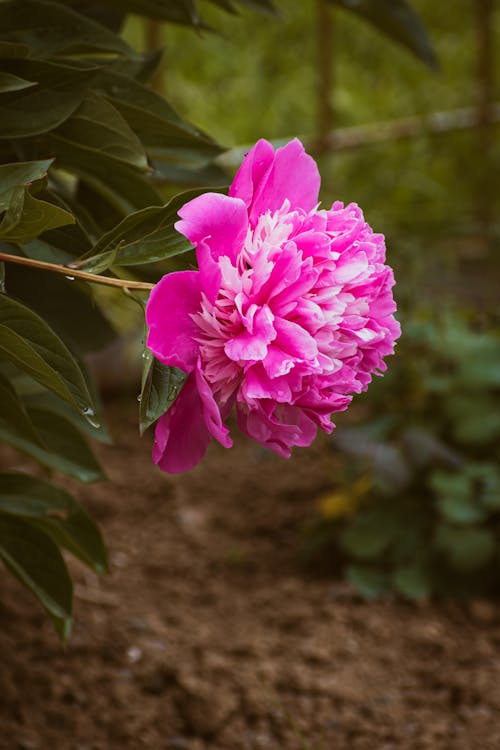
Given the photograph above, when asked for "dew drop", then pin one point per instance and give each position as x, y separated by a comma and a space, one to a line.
139, 398
70, 278
89, 415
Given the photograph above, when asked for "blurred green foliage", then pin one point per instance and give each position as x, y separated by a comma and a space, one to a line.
417, 509
428, 519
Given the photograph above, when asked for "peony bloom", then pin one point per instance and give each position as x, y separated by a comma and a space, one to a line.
288, 316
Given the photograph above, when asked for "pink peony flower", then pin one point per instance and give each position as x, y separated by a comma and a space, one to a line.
288, 316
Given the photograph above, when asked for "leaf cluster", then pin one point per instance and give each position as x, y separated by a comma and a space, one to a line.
429, 520
86, 150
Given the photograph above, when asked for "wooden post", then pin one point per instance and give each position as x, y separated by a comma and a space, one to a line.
484, 103
153, 41
324, 72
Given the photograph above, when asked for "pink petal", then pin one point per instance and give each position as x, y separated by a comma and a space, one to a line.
219, 220
253, 342
254, 167
210, 272
168, 314
181, 436
295, 340
293, 176
211, 412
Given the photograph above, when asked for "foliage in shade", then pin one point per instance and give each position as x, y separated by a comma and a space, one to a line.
427, 521
87, 153
78, 131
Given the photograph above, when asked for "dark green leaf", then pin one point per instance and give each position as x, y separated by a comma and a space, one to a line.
413, 581
50, 28
10, 50
15, 424
369, 534
32, 556
9, 82
13, 176
160, 387
50, 402
146, 236
397, 20
370, 582
467, 549
27, 217
461, 510
65, 449
40, 108
99, 128
157, 124
121, 185
54, 511
28, 342
67, 306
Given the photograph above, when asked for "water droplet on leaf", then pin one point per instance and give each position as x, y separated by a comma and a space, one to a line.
89, 415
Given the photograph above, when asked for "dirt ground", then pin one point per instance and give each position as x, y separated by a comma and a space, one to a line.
209, 635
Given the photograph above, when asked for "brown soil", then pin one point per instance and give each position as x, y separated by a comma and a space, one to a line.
208, 635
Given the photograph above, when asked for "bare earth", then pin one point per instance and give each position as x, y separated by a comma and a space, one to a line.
209, 635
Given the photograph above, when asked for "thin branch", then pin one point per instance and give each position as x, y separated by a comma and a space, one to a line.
74, 273
407, 127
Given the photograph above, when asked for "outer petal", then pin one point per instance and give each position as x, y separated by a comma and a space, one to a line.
219, 220
293, 176
182, 437
252, 171
277, 426
168, 314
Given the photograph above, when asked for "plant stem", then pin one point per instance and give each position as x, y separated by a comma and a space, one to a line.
74, 273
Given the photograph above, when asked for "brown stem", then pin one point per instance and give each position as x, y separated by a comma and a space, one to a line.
74, 273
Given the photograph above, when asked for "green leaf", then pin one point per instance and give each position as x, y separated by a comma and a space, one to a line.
397, 20
369, 534
40, 108
447, 484
160, 387
50, 402
461, 510
117, 182
99, 128
27, 217
10, 50
55, 512
67, 306
370, 582
10, 82
412, 581
15, 423
145, 236
13, 176
64, 450
467, 549
50, 28
28, 342
164, 133
33, 557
